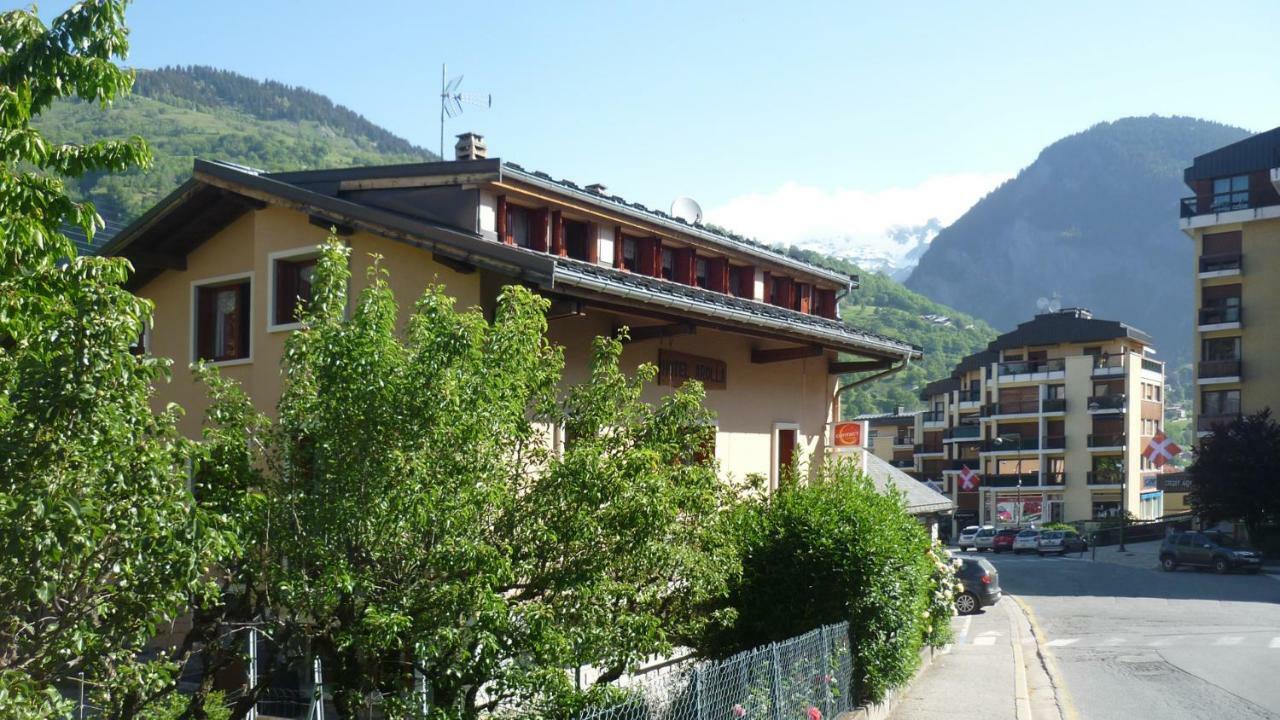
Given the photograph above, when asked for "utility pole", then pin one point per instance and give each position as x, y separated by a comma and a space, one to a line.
1124, 479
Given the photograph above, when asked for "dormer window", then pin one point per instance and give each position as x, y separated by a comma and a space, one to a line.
668, 264
630, 251
701, 272
519, 226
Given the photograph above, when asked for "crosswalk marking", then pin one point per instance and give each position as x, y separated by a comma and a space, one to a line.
1063, 641
986, 638
1275, 643
1165, 641
1112, 642
1229, 640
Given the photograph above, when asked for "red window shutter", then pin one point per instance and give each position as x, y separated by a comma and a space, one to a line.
242, 318
647, 250
539, 240
557, 234
768, 288
746, 282
503, 221
718, 275
617, 246
684, 266
593, 243
827, 303
205, 306
286, 291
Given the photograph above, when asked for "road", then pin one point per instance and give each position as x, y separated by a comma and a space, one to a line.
1133, 642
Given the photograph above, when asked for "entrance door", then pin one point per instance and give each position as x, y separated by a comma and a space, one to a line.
786, 453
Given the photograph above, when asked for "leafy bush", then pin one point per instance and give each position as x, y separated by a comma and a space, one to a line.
175, 704
832, 550
945, 587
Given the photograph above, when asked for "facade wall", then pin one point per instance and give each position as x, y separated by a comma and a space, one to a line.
1259, 282
758, 397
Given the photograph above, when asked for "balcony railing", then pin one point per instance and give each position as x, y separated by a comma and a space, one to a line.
900, 463
1220, 262
926, 449
933, 416
1030, 367
1219, 368
1106, 440
1153, 365
972, 463
1258, 196
903, 440
1006, 481
1013, 407
1052, 478
1108, 364
1206, 423
970, 396
1103, 477
964, 432
1107, 402
1011, 445
1054, 442
1220, 315
1053, 405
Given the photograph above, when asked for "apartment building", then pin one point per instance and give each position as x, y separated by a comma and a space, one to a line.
1233, 219
891, 437
228, 256
1053, 417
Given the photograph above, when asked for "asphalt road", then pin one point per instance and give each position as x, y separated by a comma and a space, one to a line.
1141, 643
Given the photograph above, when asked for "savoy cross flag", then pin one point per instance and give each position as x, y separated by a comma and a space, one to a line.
968, 479
1160, 450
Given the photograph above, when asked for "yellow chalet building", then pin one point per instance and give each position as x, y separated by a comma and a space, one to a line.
228, 255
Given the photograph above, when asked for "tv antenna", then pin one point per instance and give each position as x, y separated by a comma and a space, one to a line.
451, 101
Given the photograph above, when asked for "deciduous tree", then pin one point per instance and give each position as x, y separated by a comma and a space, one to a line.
1233, 476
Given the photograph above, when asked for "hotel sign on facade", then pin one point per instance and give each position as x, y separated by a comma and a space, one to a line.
675, 368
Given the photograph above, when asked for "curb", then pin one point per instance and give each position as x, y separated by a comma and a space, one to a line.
1063, 696
885, 708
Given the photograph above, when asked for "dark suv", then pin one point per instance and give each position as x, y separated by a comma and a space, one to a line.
981, 585
1221, 552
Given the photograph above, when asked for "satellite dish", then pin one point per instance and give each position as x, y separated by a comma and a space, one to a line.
1042, 304
687, 209
1055, 304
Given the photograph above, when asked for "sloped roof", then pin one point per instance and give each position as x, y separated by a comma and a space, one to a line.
1254, 153
920, 499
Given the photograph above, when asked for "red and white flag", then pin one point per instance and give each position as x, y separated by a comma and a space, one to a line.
1160, 450
969, 480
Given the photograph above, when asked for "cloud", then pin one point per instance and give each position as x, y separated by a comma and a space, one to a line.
795, 213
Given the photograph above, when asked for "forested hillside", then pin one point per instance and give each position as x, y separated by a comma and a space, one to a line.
186, 113
1094, 220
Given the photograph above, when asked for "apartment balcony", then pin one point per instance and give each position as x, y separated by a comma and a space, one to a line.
1254, 197
1154, 366
964, 433
1017, 407
933, 418
1209, 372
1206, 423
1013, 446
969, 398
1109, 365
928, 450
1053, 479
1024, 370
1221, 265
972, 463
903, 463
904, 441
1106, 441
1103, 477
1053, 442
1220, 317
1053, 406
1029, 480
1106, 404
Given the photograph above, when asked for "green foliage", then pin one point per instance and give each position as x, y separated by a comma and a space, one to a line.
882, 305
187, 113
946, 586
103, 543
428, 523
1233, 477
173, 705
832, 550
1057, 526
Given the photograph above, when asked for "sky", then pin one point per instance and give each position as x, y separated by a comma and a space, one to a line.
852, 116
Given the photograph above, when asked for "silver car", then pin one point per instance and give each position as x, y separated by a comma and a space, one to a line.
1027, 541
984, 539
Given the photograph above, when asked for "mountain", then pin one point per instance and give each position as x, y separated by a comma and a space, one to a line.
188, 112
895, 254
1094, 221
204, 112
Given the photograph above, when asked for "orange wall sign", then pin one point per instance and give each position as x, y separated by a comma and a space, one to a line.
848, 434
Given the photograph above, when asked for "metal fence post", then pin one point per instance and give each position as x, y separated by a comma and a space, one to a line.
777, 682
253, 671
318, 692
827, 672
697, 691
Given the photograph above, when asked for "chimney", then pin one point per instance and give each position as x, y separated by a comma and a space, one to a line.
470, 146
598, 189
901, 410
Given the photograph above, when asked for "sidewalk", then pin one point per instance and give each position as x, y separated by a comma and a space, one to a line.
991, 671
1146, 555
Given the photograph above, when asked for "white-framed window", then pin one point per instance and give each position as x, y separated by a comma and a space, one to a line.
222, 319
290, 274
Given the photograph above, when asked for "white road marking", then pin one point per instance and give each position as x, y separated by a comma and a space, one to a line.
1166, 641
1274, 644
1112, 642
1063, 641
986, 638
1229, 640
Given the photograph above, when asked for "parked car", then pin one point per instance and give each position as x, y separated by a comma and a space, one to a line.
1221, 552
1003, 541
1026, 541
984, 538
1061, 541
981, 585
966, 537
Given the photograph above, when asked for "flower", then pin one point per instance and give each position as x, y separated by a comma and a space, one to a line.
738, 710
814, 713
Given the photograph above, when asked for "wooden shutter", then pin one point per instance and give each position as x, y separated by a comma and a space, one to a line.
718, 275
205, 308
538, 234
617, 246
286, 291
557, 234
592, 242
504, 223
684, 266
827, 303
244, 326
768, 288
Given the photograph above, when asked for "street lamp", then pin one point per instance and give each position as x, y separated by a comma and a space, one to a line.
1001, 441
